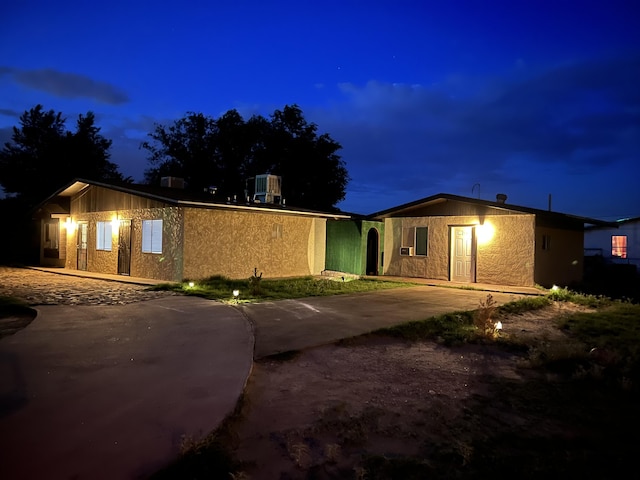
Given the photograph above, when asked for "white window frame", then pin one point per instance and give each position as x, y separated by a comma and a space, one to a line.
410, 239
152, 236
103, 236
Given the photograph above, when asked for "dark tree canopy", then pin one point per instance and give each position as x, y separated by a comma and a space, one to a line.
43, 155
224, 152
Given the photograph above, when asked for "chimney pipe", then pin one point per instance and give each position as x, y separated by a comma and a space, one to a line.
501, 198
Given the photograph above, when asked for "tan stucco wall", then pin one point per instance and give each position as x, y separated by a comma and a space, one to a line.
233, 243
507, 259
165, 266
563, 263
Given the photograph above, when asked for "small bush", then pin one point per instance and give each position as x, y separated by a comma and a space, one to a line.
255, 283
483, 317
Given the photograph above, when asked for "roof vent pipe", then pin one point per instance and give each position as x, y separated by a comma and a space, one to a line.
501, 198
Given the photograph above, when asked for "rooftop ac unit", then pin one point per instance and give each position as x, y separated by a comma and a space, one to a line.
406, 251
268, 189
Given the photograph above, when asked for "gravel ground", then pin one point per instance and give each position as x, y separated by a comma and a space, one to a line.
43, 288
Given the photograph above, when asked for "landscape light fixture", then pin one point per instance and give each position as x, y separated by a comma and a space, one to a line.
191, 284
236, 293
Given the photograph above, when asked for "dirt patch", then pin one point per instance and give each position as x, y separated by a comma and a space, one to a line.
383, 408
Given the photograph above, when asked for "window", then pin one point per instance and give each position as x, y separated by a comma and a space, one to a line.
152, 236
417, 239
546, 242
103, 236
619, 246
408, 236
421, 241
51, 235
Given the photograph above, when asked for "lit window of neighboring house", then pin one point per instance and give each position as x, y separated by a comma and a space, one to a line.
619, 246
103, 236
152, 236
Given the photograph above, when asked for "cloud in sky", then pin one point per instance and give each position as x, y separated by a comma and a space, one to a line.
67, 85
419, 140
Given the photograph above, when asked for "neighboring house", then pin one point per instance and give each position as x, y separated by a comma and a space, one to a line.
619, 243
461, 239
170, 234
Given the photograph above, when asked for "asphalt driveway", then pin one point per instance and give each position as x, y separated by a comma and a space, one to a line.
295, 324
109, 392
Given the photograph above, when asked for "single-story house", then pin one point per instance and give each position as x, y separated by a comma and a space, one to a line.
166, 233
461, 239
618, 243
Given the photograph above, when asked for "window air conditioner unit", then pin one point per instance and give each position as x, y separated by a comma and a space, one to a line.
406, 251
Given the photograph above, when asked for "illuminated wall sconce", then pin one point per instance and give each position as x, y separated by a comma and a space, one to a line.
70, 225
115, 223
485, 232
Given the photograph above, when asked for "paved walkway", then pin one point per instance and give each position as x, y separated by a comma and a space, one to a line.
296, 324
110, 391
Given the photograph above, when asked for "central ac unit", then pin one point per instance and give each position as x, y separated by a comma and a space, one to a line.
406, 251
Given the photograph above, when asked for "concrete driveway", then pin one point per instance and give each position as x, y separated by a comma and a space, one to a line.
294, 324
108, 392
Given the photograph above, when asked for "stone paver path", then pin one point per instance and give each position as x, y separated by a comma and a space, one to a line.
43, 288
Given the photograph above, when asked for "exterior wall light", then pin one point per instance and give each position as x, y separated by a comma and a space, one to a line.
70, 225
115, 223
485, 232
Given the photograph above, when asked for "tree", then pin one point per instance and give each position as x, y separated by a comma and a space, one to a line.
225, 152
43, 155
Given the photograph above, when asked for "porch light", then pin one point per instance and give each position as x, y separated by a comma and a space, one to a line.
115, 223
485, 232
70, 225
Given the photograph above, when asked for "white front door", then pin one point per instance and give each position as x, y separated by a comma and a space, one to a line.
462, 255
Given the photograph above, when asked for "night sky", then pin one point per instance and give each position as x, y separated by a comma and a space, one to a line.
526, 98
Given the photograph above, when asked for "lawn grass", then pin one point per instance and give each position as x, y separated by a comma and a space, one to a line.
256, 289
458, 327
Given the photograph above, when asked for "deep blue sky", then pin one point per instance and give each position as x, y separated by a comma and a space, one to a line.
527, 98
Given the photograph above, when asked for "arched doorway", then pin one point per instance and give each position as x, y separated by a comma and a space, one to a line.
372, 252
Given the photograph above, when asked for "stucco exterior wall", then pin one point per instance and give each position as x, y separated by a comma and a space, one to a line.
506, 258
562, 263
164, 266
233, 243
169, 264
